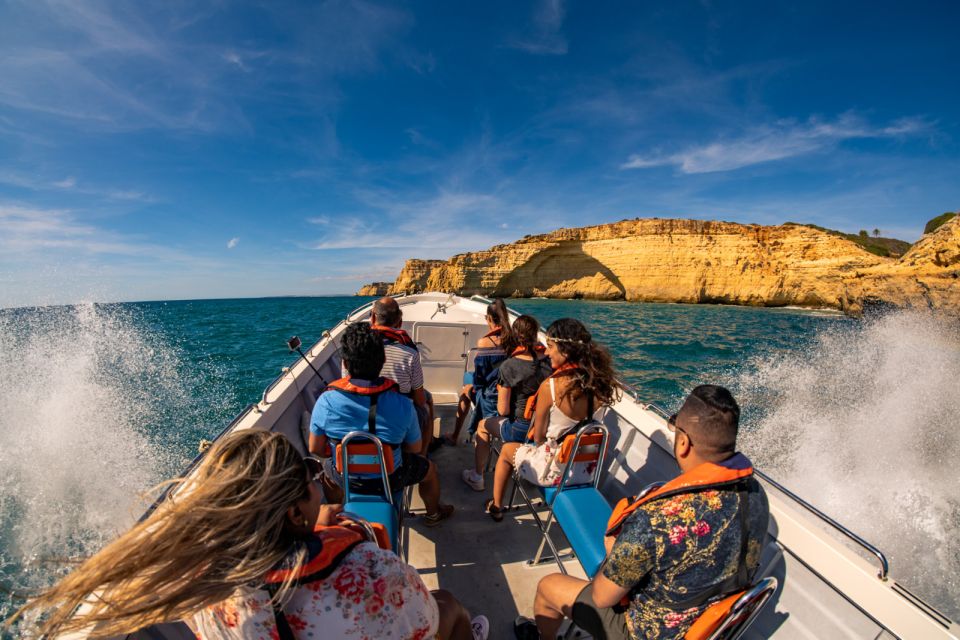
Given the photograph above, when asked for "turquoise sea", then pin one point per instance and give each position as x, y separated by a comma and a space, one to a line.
102, 401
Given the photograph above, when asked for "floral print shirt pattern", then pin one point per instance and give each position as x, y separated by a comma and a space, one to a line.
672, 549
371, 595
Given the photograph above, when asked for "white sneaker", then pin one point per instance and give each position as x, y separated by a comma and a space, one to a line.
481, 628
474, 479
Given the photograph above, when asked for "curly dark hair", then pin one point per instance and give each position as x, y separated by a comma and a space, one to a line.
362, 351
596, 372
522, 334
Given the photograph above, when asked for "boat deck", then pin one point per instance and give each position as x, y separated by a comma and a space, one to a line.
479, 560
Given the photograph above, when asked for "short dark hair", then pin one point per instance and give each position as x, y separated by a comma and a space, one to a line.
387, 311
712, 417
362, 351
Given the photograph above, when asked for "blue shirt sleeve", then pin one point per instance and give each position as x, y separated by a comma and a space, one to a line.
319, 416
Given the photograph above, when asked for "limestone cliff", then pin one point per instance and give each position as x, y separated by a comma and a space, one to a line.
375, 289
694, 261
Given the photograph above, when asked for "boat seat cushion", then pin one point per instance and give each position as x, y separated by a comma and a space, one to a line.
376, 511
582, 513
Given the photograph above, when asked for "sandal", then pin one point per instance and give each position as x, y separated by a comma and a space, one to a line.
433, 519
495, 512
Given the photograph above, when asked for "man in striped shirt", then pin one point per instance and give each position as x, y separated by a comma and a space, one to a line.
403, 363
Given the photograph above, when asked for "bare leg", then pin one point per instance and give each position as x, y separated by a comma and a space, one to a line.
501, 475
454, 619
463, 408
429, 489
482, 454
556, 594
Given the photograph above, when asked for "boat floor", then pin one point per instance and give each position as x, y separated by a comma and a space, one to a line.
480, 561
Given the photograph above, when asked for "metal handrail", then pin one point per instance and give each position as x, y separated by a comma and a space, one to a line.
884, 564
353, 518
345, 469
568, 468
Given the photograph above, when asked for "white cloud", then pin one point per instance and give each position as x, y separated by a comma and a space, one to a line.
547, 37
66, 183
233, 242
783, 139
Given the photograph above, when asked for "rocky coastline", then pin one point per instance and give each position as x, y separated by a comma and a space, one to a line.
693, 261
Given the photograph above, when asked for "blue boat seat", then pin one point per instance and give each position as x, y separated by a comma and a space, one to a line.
582, 513
366, 454
580, 509
376, 509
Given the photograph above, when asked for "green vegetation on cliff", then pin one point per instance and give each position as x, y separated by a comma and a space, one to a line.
937, 222
886, 247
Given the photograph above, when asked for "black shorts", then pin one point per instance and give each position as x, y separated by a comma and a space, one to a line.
412, 471
602, 624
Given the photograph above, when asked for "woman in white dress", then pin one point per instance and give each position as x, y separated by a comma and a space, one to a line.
583, 380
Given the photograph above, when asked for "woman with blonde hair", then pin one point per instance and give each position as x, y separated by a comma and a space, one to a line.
244, 548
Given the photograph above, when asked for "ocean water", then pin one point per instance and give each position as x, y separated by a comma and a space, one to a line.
101, 402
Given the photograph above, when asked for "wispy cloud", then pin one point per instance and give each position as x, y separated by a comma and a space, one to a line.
781, 140
72, 185
547, 36
233, 242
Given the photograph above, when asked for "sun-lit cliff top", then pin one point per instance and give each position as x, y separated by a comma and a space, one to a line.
671, 260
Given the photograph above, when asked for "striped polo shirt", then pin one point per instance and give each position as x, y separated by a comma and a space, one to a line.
402, 365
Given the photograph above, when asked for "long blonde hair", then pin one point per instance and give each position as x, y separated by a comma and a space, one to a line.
225, 527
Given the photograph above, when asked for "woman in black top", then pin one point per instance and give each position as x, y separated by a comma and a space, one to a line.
519, 378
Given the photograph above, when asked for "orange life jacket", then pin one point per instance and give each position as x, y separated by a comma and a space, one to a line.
701, 478
391, 335
519, 351
344, 385
496, 331
563, 370
335, 543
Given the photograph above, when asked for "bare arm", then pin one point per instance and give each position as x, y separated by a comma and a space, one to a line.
606, 592
503, 400
541, 419
318, 445
419, 397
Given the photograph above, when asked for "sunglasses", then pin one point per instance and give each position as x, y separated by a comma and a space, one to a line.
314, 468
672, 425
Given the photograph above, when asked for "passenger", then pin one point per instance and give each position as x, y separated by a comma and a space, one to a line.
675, 552
345, 406
482, 388
403, 364
583, 379
247, 526
519, 377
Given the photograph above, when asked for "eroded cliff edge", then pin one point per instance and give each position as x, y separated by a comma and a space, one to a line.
656, 260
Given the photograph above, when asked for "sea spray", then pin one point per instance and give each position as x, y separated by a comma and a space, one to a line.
82, 389
863, 422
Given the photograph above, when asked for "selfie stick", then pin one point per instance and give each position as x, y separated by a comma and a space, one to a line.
294, 344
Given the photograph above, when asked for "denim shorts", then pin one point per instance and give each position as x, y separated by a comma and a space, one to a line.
514, 431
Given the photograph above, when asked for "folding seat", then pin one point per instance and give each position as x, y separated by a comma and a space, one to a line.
362, 452
577, 506
730, 617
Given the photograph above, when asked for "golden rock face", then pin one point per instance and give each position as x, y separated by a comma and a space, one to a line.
694, 261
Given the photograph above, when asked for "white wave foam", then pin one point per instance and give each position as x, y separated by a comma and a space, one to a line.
864, 424
78, 388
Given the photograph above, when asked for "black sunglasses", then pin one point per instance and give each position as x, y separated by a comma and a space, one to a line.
672, 425
314, 468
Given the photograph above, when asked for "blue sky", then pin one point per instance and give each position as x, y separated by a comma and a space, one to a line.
172, 150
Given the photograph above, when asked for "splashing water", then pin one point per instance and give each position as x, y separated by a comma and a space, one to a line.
80, 389
863, 424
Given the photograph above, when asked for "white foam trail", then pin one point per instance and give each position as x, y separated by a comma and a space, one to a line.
79, 386
864, 424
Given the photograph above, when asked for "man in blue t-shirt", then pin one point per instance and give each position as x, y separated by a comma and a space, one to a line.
345, 407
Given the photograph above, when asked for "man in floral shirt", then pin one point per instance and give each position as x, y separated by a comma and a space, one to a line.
677, 551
